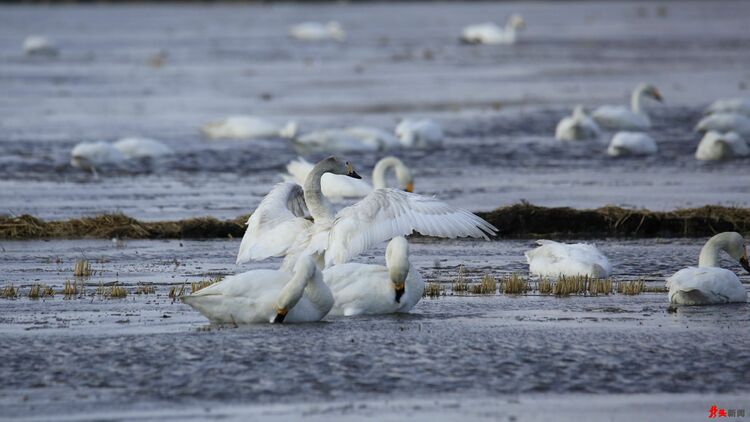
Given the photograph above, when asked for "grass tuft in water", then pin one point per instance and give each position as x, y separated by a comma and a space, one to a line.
9, 292
82, 268
514, 284
433, 290
194, 287
39, 291
634, 287
460, 285
70, 289
486, 286
544, 286
145, 289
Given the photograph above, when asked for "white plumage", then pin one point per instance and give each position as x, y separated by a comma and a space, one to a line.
577, 127
141, 148
317, 31
631, 143
730, 105
553, 259
491, 33
621, 118
725, 122
721, 146
422, 133
358, 138
261, 296
39, 45
247, 127
708, 284
89, 155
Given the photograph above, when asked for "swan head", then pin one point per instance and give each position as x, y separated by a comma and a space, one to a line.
336, 165
650, 91
404, 177
305, 270
516, 21
397, 261
730, 242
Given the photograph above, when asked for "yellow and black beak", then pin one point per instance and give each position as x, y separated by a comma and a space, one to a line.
743, 261
350, 171
280, 315
409, 187
400, 288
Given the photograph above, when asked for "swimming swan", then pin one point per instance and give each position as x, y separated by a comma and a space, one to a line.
725, 122
90, 155
338, 187
730, 105
552, 259
631, 143
39, 45
577, 127
317, 31
261, 296
423, 133
365, 289
357, 138
490, 33
247, 127
133, 147
622, 118
708, 284
278, 227
721, 146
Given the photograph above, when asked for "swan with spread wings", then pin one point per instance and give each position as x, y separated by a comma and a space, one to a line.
278, 227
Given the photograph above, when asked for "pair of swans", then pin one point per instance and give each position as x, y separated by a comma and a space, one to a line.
338, 188
491, 33
580, 127
726, 128
89, 155
721, 146
318, 31
278, 228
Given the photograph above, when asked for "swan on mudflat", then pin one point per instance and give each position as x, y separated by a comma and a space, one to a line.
491, 33
553, 259
577, 127
631, 143
622, 118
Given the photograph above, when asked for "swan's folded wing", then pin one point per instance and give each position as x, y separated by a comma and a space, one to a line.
386, 213
275, 225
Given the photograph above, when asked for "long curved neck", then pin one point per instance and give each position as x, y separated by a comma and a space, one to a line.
709, 256
319, 294
397, 260
314, 199
635, 100
380, 170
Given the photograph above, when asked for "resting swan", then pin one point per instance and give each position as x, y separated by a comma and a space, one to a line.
490, 33
317, 31
247, 127
357, 138
725, 122
631, 143
90, 155
622, 118
577, 127
260, 296
553, 259
708, 284
141, 148
423, 133
278, 227
730, 105
338, 187
721, 146
39, 45
364, 289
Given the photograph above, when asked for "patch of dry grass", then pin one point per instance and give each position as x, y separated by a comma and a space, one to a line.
145, 289
9, 292
433, 290
40, 291
486, 286
82, 268
460, 285
630, 288
70, 289
514, 284
194, 287
544, 286
175, 292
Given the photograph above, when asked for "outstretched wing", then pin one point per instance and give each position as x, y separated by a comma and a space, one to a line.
276, 223
387, 213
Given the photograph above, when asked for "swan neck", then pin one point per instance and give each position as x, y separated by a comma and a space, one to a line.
314, 195
293, 290
380, 170
709, 256
318, 293
635, 100
397, 260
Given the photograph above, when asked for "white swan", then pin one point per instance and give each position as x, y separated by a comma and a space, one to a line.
365, 289
725, 122
708, 284
730, 105
338, 187
90, 155
553, 259
39, 45
133, 147
576, 127
357, 138
318, 31
260, 296
422, 133
247, 127
278, 227
622, 118
721, 146
490, 33
631, 143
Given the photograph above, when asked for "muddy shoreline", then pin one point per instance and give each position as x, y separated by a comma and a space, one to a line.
516, 221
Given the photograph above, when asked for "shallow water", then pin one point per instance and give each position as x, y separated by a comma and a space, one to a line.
109, 355
498, 105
